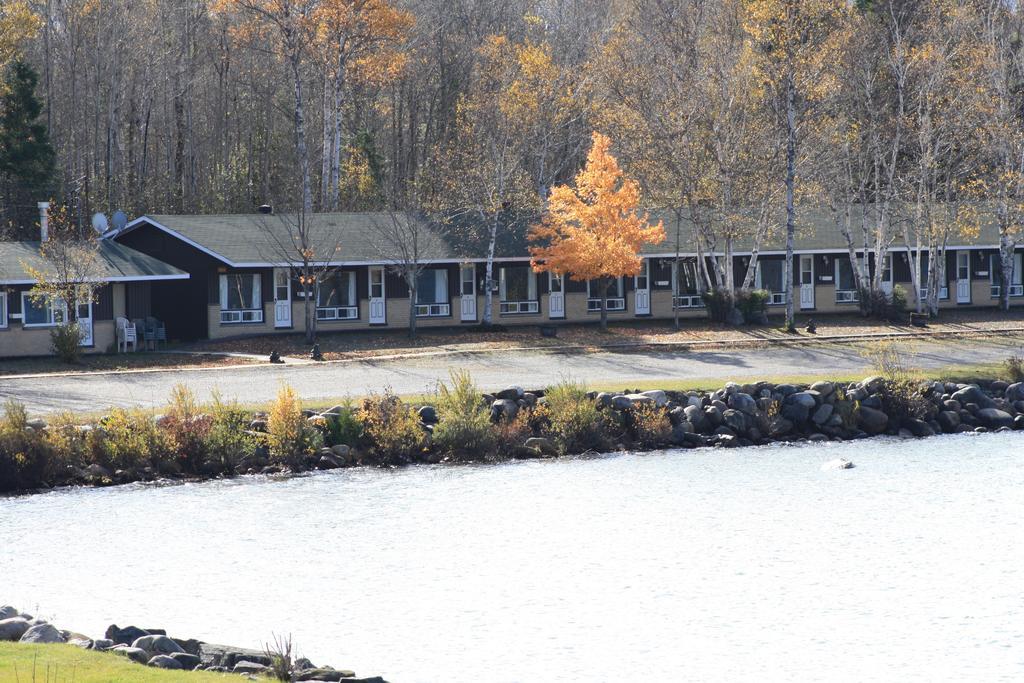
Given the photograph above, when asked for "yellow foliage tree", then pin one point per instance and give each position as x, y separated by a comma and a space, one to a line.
593, 231
18, 23
364, 39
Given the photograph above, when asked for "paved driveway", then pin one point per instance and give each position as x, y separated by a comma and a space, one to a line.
491, 371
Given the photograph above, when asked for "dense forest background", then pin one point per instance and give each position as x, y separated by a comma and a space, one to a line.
902, 117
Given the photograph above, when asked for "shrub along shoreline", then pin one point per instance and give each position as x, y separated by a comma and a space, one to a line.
463, 424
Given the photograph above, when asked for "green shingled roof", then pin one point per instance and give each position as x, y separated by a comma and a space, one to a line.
241, 239
118, 263
249, 239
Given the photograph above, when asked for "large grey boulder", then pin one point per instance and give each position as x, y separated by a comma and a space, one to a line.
1014, 392
659, 397
713, 417
919, 428
822, 414
126, 635
823, 388
948, 420
13, 628
797, 412
735, 420
513, 393
157, 644
873, 384
681, 432
993, 418
187, 661
102, 644
165, 662
43, 633
136, 654
695, 416
779, 426
871, 420
973, 394
8, 612
621, 402
324, 673
212, 654
640, 399
504, 408
744, 403
247, 667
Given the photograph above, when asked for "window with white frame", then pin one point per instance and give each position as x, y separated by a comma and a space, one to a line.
687, 289
943, 288
432, 293
995, 275
770, 275
42, 313
336, 297
517, 290
3, 310
616, 298
846, 289
241, 298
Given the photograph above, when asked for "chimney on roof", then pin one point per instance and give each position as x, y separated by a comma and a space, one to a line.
266, 209
44, 221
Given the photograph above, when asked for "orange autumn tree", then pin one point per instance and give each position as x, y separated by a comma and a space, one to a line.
592, 231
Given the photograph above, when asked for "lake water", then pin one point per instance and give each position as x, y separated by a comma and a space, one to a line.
751, 564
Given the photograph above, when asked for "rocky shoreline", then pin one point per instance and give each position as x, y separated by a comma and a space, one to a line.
735, 415
153, 647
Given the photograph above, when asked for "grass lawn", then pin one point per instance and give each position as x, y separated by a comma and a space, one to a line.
30, 663
368, 344
120, 361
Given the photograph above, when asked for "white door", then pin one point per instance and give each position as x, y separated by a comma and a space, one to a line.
84, 315
468, 291
642, 286
556, 297
806, 282
378, 303
282, 297
963, 277
887, 274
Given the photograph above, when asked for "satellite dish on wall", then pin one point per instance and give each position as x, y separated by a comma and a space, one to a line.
99, 223
119, 219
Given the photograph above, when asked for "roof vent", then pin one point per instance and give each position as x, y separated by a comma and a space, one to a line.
266, 209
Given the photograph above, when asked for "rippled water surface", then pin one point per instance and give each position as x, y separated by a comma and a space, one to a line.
695, 565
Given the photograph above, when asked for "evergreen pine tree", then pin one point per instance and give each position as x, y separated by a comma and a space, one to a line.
27, 160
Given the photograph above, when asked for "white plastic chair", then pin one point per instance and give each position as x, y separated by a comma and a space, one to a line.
126, 335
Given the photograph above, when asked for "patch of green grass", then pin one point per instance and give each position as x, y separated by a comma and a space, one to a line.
28, 663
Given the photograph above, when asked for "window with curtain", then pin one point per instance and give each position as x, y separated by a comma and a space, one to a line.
240, 292
337, 290
771, 274
241, 298
614, 288
687, 278
518, 283
995, 269
844, 274
432, 286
